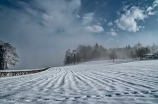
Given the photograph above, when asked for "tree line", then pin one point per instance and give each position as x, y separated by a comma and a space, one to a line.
98, 52
8, 55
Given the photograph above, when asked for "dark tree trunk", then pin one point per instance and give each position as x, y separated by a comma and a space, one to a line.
74, 59
1, 58
5, 66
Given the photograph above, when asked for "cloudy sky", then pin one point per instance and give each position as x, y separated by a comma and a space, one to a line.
42, 30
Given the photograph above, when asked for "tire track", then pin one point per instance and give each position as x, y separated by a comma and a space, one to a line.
85, 83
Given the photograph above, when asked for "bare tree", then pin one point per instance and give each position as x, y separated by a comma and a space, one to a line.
67, 60
132, 54
153, 48
113, 55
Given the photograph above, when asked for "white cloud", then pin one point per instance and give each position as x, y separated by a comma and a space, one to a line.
94, 29
74, 4
152, 13
110, 23
141, 27
155, 4
128, 21
105, 20
112, 29
47, 17
112, 32
150, 9
78, 16
111, 39
88, 18
88, 22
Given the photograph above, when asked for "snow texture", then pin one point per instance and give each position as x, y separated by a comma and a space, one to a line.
97, 82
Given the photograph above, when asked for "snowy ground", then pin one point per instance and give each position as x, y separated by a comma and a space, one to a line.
100, 82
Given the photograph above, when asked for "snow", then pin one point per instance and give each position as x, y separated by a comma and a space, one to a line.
149, 54
97, 82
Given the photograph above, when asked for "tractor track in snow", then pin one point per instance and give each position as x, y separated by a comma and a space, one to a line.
85, 83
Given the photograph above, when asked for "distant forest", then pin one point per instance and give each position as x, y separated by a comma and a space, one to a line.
85, 53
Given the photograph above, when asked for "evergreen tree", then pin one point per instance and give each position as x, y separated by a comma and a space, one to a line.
8, 56
68, 57
141, 52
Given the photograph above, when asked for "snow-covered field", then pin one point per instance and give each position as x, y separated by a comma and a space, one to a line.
100, 82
